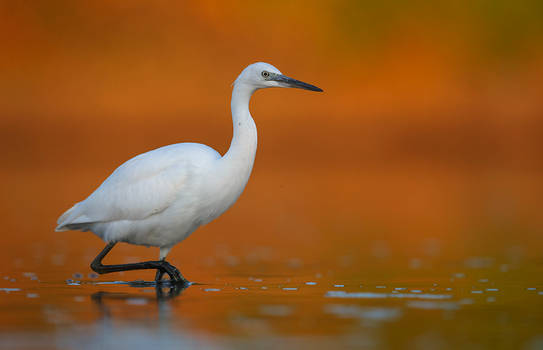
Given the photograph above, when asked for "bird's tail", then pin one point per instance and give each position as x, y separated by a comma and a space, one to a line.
62, 220
70, 220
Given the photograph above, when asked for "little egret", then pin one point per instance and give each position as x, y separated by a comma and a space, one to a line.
160, 197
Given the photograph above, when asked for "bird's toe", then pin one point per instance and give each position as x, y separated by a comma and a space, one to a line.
174, 274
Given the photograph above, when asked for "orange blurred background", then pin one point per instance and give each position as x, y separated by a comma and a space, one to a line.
429, 132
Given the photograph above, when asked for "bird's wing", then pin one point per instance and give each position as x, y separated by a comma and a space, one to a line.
143, 186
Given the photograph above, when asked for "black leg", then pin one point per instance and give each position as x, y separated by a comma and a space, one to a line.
158, 275
162, 267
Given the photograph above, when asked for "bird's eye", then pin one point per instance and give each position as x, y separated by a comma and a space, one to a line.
265, 74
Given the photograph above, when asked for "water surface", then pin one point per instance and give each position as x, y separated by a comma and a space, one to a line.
474, 303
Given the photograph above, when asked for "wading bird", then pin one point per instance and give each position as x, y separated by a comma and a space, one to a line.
160, 197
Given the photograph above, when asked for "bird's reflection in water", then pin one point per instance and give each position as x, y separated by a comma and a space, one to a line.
163, 294
147, 317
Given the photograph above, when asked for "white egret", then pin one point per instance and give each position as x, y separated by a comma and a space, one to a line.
160, 197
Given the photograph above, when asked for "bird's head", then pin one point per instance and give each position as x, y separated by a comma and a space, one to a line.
262, 75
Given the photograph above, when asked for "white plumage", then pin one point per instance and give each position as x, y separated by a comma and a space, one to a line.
160, 197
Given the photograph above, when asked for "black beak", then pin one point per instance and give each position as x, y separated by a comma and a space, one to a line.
293, 83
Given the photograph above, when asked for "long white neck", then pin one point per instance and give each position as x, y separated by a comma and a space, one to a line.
242, 151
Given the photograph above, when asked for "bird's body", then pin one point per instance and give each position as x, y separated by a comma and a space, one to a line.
156, 198
160, 197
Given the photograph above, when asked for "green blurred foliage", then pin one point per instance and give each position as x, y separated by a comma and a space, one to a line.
499, 29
